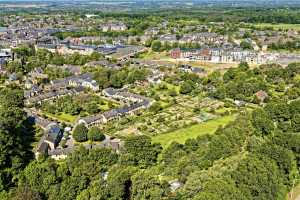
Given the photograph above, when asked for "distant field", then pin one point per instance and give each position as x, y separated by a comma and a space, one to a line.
279, 26
150, 55
194, 131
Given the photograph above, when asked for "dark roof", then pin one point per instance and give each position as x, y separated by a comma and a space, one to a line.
53, 133
110, 91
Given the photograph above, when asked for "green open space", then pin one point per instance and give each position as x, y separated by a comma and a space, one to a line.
181, 135
278, 26
62, 117
151, 55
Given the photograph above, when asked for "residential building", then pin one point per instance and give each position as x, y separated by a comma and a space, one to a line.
113, 27
53, 135
133, 104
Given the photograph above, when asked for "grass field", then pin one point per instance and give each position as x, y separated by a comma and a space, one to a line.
150, 55
279, 26
63, 117
194, 131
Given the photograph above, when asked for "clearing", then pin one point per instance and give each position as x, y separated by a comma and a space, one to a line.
278, 26
181, 135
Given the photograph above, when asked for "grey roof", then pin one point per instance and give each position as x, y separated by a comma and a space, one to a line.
43, 123
139, 102
93, 118
43, 148
53, 133
64, 151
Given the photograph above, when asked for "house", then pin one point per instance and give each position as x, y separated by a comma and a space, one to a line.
42, 149
5, 55
219, 55
190, 69
169, 38
53, 135
113, 27
83, 80
94, 120
37, 75
92, 84
239, 103
156, 77
125, 53
134, 104
32, 100
71, 49
60, 154
47, 40
198, 71
175, 53
37, 120
115, 144
28, 84
194, 54
108, 49
74, 69
12, 78
33, 91
102, 63
152, 31
261, 96
203, 38
3, 31
174, 185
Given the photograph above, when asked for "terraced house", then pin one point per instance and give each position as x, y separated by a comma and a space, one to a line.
133, 102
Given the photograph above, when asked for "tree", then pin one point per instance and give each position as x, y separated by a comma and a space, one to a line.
246, 45
243, 66
80, 133
119, 182
92, 107
141, 150
148, 42
278, 111
172, 93
155, 107
23, 192
39, 175
186, 87
296, 122
15, 136
71, 186
146, 185
261, 121
219, 188
156, 46
259, 178
95, 134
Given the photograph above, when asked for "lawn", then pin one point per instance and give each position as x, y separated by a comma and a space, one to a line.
279, 26
63, 117
104, 106
224, 110
150, 55
172, 87
193, 131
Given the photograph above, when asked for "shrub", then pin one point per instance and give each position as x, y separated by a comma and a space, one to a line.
95, 134
80, 133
